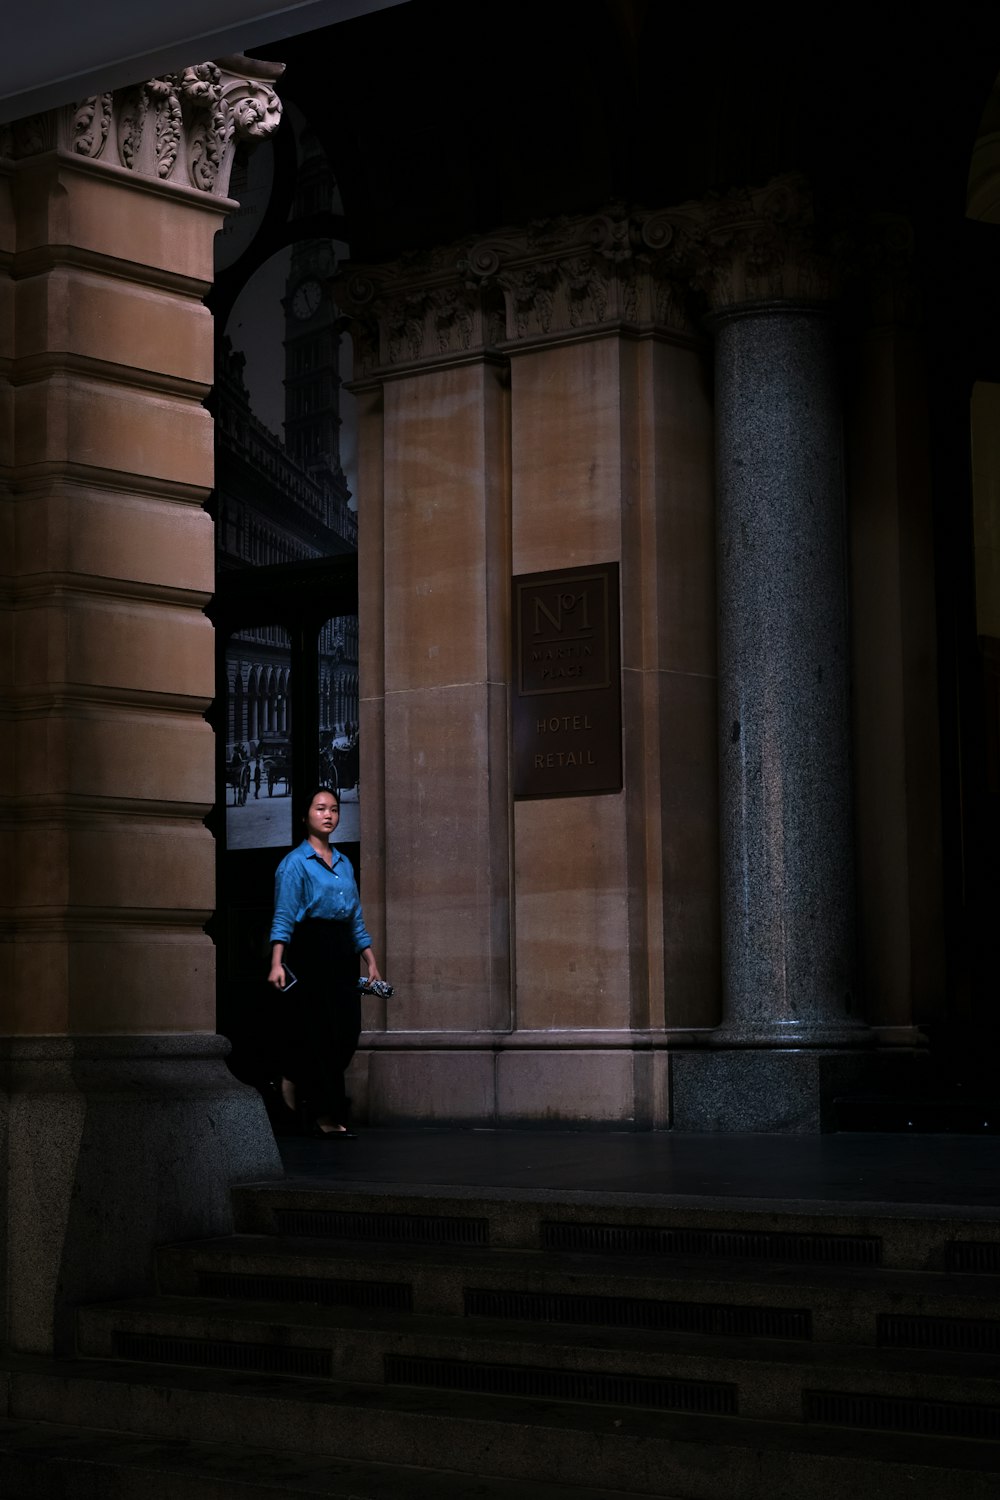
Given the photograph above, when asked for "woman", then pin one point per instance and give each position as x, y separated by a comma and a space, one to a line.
318, 918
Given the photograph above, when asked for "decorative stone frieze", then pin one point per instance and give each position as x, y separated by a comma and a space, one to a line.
575, 277
559, 279
180, 128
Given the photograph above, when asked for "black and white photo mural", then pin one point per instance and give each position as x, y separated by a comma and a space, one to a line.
285, 472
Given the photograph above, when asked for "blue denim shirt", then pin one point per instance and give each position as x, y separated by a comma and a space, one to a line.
305, 887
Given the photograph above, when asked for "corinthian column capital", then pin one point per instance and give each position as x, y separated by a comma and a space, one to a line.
758, 245
180, 128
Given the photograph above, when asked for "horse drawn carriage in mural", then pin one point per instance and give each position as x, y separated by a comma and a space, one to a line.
340, 760
274, 752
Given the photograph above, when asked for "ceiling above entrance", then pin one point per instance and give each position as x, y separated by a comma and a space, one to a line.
58, 50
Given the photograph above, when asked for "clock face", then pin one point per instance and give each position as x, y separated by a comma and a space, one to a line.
306, 298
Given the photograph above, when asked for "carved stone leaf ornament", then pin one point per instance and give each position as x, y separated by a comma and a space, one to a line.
167, 119
586, 289
209, 140
255, 111
131, 118
202, 82
180, 128
453, 319
405, 326
531, 295
629, 284
91, 124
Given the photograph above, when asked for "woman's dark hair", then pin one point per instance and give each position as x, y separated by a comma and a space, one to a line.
329, 791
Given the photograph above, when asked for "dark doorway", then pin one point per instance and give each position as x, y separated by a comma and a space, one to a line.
280, 642
285, 513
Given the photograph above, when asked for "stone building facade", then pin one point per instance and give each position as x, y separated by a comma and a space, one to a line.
733, 360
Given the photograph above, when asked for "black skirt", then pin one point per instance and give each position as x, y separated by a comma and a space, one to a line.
319, 1018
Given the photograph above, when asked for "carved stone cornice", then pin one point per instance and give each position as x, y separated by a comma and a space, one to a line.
556, 280
571, 278
633, 270
181, 128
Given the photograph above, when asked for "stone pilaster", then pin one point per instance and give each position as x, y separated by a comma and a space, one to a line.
108, 994
433, 556
605, 932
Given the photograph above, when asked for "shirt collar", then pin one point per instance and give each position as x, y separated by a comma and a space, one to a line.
310, 853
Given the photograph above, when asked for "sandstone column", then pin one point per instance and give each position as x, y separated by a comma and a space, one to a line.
120, 1124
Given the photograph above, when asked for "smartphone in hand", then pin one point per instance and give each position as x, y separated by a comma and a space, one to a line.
290, 978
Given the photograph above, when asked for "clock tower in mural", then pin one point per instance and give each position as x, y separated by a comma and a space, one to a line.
312, 380
283, 500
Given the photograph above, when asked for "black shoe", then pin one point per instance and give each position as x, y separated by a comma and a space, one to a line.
317, 1133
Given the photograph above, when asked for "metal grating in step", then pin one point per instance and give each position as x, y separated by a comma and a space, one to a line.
707, 1397
728, 1244
326, 1291
972, 1255
902, 1414
222, 1354
641, 1313
963, 1335
412, 1229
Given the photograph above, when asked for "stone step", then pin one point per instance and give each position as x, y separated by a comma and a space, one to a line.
43, 1461
772, 1381
640, 1452
924, 1237
868, 1307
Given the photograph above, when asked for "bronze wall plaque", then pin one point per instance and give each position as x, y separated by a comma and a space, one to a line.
566, 693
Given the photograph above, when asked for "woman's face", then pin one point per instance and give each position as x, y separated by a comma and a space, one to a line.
324, 811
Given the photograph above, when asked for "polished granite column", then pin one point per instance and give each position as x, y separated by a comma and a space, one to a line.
788, 890
791, 1037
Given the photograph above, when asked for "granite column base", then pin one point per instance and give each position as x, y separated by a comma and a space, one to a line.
788, 1091
109, 1147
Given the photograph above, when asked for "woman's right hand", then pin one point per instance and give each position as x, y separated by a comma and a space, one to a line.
277, 975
